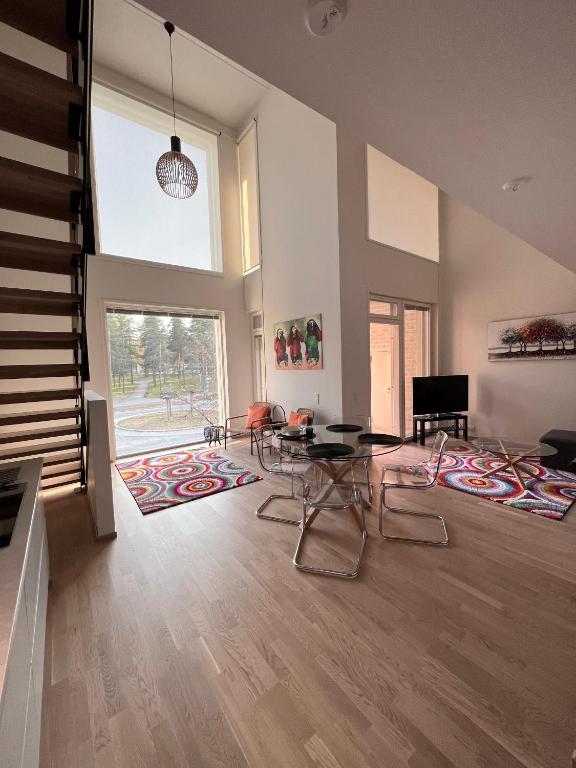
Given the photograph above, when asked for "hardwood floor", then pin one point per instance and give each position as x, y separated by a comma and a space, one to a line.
191, 640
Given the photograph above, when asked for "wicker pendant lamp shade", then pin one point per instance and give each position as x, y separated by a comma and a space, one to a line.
175, 172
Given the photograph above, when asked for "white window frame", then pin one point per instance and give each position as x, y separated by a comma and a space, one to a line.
261, 363
156, 119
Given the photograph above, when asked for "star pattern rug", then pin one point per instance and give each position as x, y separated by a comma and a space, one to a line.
158, 482
550, 493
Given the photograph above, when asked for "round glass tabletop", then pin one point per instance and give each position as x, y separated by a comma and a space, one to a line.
501, 446
322, 434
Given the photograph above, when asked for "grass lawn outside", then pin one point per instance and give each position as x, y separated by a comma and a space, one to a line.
192, 383
117, 389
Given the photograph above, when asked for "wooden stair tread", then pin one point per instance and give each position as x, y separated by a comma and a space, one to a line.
44, 19
28, 302
36, 104
29, 417
38, 450
38, 191
39, 339
44, 370
38, 254
39, 396
39, 433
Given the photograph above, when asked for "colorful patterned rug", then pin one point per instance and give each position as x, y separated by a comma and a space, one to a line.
158, 482
550, 494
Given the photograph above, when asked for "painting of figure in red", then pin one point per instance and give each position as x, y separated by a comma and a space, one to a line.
298, 344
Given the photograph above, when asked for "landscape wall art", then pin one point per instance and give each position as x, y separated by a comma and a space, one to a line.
298, 344
543, 337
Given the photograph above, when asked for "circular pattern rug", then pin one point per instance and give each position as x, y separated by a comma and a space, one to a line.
158, 482
548, 493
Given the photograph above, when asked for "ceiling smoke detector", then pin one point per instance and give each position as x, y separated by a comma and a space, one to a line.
514, 184
325, 16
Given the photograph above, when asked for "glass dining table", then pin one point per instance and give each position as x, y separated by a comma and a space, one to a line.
335, 449
513, 455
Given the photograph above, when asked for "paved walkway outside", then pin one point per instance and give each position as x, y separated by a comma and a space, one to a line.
136, 403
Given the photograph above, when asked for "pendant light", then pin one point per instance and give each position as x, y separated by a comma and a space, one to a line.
175, 172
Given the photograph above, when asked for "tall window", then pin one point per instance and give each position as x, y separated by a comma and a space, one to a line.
249, 198
136, 219
167, 376
258, 366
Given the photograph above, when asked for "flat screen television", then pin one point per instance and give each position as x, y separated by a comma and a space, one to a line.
439, 394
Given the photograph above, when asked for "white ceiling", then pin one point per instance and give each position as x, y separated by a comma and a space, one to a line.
467, 93
132, 41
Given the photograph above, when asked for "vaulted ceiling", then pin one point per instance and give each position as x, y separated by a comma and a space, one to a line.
468, 94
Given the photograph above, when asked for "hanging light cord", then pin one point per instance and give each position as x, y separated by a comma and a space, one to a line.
172, 77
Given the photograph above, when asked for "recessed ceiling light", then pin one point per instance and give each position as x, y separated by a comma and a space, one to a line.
514, 184
325, 16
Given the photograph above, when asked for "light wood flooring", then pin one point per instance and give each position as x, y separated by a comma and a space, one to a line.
191, 640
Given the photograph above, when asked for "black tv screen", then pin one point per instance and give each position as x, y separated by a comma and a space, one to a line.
439, 394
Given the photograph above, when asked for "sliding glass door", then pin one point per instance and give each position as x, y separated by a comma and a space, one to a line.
166, 372
399, 350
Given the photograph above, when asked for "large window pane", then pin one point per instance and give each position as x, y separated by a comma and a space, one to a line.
166, 378
136, 219
402, 207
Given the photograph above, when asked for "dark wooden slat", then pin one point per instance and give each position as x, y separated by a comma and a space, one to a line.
39, 340
56, 459
36, 104
23, 301
43, 19
68, 470
30, 417
38, 450
47, 370
39, 396
38, 254
37, 191
39, 433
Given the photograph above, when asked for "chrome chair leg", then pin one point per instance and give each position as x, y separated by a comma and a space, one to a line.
304, 529
274, 497
441, 542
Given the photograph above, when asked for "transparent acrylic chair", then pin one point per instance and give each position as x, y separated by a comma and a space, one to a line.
331, 497
292, 469
365, 422
416, 477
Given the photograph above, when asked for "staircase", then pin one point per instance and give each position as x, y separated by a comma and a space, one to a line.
43, 349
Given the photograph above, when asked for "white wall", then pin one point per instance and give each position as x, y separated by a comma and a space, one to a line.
488, 274
117, 280
299, 230
367, 267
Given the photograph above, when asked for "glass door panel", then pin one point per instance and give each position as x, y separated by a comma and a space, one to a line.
416, 353
384, 376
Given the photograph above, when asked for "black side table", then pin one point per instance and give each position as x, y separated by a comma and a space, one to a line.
459, 422
213, 434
